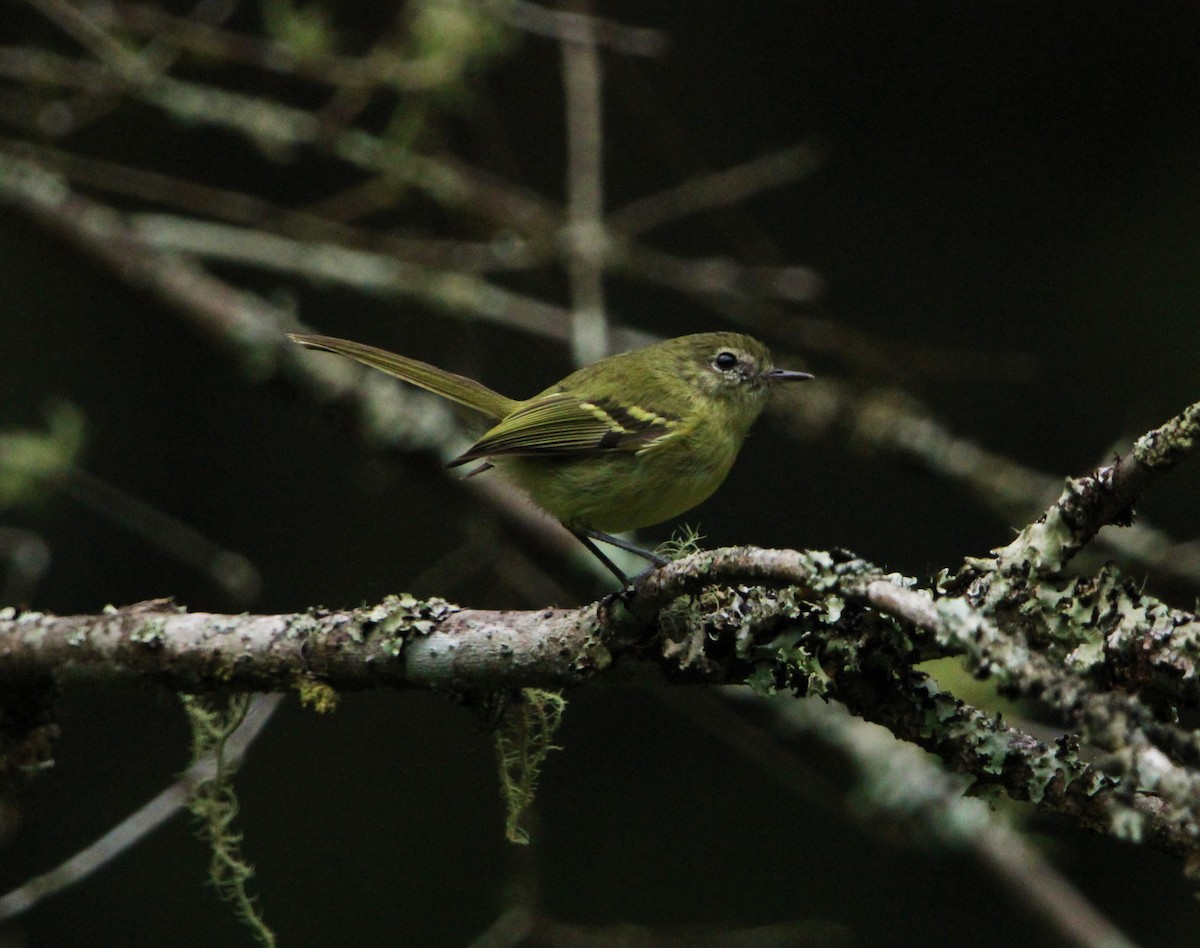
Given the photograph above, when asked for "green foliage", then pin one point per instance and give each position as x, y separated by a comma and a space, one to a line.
523, 740
32, 461
214, 805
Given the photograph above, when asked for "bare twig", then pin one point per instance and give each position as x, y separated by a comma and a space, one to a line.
231, 572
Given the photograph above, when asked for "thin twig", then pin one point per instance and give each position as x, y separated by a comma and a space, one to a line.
887, 420
231, 572
313, 224
717, 189
382, 274
140, 823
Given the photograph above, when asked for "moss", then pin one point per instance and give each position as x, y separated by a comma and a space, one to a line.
316, 694
523, 740
214, 805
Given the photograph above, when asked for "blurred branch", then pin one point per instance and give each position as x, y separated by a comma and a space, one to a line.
584, 231
569, 26
379, 274
315, 65
236, 207
35, 464
891, 421
279, 129
719, 189
145, 250
531, 223
229, 571
899, 788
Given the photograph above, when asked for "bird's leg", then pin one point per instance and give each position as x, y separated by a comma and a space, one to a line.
587, 535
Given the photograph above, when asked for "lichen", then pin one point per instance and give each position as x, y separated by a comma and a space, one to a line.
151, 633
401, 617
303, 626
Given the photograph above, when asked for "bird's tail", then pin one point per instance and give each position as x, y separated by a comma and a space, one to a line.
457, 388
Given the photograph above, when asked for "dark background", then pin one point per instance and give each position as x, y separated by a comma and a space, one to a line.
1014, 178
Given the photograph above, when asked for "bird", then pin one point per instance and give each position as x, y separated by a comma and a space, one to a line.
629, 441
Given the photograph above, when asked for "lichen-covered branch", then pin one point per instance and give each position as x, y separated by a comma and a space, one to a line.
810, 623
402, 641
1105, 496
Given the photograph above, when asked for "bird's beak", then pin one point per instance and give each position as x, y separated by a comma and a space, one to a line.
786, 375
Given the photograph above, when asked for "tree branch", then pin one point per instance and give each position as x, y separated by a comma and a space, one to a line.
812, 623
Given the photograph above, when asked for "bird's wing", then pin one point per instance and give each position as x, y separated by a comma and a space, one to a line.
562, 423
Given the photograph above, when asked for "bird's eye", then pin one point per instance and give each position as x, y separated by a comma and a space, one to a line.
725, 361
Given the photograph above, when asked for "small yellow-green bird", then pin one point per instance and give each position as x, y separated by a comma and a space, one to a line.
629, 441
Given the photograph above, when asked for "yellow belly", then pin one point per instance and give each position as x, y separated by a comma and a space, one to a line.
620, 490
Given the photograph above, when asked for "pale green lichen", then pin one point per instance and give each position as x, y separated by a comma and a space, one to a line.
398, 618
223, 625
786, 663
785, 660
1086, 658
1164, 447
305, 625
152, 633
